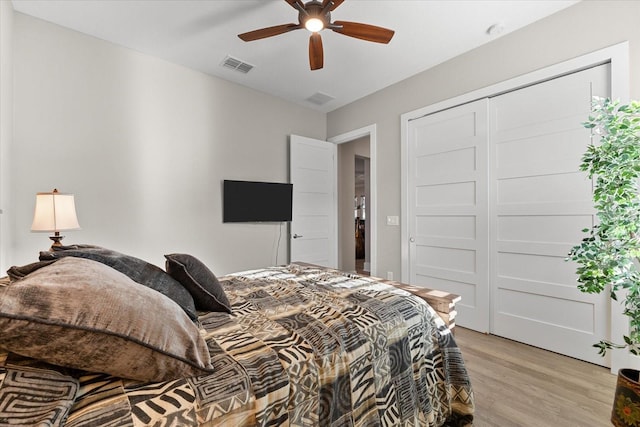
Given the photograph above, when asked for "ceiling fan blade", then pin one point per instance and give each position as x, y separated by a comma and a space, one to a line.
363, 31
296, 4
316, 55
336, 3
268, 32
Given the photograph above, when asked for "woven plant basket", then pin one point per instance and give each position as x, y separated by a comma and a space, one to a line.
626, 403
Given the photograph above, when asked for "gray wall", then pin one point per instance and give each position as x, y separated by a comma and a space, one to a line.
144, 145
575, 31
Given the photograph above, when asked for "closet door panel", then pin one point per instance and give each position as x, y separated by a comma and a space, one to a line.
447, 198
539, 203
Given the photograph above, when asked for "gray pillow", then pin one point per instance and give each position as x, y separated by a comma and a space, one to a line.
136, 269
19, 272
199, 281
85, 315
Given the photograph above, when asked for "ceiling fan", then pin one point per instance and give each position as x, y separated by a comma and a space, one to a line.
315, 16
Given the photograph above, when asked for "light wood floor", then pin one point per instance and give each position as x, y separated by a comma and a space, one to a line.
522, 386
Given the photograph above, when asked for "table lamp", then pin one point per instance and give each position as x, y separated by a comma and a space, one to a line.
55, 212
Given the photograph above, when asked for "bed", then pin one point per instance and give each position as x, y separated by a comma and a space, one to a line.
92, 337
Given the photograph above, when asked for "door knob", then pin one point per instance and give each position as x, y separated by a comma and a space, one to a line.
412, 240
297, 236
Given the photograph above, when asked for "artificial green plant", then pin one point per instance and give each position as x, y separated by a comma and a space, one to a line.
608, 258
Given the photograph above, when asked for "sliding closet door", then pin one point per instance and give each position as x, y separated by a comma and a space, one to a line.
539, 203
447, 202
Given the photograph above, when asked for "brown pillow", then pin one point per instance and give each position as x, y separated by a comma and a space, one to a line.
136, 269
201, 283
83, 314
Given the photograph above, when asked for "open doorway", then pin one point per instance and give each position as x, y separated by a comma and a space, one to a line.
354, 197
344, 230
362, 187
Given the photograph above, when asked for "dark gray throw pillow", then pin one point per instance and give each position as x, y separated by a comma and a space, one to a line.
136, 269
199, 281
18, 272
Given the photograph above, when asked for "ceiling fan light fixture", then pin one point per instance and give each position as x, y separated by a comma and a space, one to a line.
314, 24
315, 16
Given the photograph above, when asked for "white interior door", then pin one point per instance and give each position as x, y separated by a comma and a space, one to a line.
540, 202
313, 173
448, 207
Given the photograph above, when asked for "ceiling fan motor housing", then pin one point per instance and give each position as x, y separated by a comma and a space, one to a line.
313, 9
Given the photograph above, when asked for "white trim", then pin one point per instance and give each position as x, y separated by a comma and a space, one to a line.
405, 260
617, 55
369, 131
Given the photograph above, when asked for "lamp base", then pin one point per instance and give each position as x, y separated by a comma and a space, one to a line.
56, 240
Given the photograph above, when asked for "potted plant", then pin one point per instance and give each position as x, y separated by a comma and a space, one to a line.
608, 258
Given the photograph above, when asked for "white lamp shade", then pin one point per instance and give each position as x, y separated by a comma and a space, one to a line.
55, 212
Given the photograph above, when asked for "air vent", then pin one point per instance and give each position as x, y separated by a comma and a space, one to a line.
320, 98
236, 64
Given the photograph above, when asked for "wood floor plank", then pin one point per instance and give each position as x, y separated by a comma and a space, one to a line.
516, 385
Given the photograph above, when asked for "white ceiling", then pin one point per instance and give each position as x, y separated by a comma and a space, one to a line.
199, 34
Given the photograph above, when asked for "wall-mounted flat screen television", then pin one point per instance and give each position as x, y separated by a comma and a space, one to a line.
251, 201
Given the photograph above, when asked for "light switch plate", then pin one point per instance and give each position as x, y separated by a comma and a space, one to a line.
393, 220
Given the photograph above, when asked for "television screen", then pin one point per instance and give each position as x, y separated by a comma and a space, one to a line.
250, 201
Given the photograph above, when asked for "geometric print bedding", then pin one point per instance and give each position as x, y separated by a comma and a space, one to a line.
304, 346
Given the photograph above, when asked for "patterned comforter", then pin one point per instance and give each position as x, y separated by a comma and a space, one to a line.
303, 347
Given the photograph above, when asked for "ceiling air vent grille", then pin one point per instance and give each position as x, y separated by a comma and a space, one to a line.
236, 64
320, 98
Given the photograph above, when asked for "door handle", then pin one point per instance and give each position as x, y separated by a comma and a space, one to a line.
297, 236
412, 240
